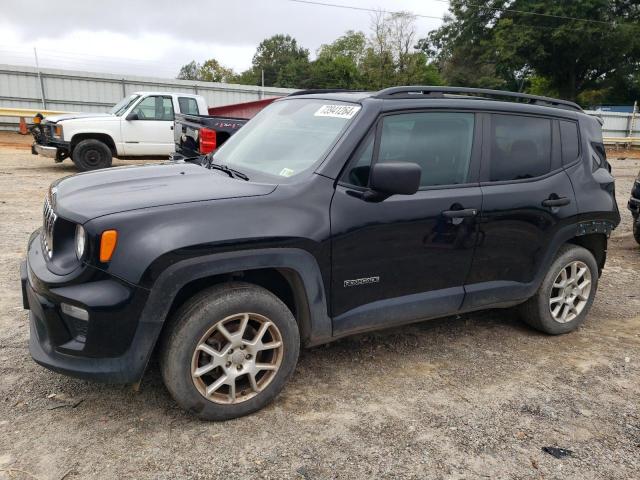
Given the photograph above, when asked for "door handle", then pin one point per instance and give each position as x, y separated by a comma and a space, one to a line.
464, 213
556, 202
171, 127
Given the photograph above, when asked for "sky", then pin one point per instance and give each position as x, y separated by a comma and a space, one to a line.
156, 37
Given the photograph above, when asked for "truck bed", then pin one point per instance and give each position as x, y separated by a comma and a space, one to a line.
196, 135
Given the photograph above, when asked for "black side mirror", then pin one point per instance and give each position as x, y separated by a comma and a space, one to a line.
399, 178
133, 116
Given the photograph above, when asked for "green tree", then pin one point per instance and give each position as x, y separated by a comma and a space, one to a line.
351, 45
488, 43
213, 71
210, 71
189, 71
282, 60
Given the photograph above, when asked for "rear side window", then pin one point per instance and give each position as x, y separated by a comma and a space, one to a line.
569, 141
188, 105
520, 147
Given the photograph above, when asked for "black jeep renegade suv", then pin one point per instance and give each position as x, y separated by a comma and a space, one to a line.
326, 215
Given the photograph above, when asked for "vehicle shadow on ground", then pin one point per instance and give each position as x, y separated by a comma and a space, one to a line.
341, 362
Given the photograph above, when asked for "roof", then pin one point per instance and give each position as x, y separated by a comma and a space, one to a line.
454, 93
182, 94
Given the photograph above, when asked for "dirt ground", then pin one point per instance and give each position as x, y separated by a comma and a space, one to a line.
476, 396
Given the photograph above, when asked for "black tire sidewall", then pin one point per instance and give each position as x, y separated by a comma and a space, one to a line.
200, 314
84, 148
546, 320
636, 229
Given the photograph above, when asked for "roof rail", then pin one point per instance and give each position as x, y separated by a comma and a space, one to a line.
411, 91
323, 90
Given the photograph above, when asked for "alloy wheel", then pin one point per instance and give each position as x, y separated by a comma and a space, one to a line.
237, 358
570, 292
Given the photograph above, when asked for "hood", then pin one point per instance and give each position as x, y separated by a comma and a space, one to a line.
85, 196
72, 116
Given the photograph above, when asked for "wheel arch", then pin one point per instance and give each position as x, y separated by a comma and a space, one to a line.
103, 137
291, 274
596, 243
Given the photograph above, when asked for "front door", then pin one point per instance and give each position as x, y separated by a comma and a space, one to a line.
151, 133
407, 257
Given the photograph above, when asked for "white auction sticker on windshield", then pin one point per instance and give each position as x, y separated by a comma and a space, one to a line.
337, 111
286, 172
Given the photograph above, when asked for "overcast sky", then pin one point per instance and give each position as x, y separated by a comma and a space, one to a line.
156, 37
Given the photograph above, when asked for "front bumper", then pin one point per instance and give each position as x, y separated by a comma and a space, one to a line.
50, 152
113, 345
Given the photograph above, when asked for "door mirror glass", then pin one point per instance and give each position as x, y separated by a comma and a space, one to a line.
397, 178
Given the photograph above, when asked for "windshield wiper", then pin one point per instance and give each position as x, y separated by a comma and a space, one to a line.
229, 171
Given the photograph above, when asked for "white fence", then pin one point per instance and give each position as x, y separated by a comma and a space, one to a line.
75, 91
618, 125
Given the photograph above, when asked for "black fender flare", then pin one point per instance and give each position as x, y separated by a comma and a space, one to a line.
303, 263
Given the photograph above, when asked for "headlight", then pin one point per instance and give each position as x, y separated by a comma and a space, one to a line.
81, 241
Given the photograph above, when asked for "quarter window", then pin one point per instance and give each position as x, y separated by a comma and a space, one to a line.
154, 108
569, 141
188, 105
520, 147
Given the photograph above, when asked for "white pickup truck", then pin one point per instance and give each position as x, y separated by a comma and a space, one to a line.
141, 125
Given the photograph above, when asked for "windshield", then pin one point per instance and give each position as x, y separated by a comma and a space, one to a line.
287, 137
121, 107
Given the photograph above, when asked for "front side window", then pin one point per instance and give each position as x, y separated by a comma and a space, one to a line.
154, 107
288, 137
520, 147
188, 105
439, 142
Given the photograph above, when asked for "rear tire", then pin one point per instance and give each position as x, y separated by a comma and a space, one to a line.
566, 294
229, 351
91, 154
636, 229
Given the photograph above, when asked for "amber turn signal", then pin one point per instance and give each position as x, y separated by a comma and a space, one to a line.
108, 241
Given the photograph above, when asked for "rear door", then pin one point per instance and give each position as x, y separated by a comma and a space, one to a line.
407, 257
527, 199
152, 132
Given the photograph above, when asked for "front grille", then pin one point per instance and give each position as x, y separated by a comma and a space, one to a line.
48, 224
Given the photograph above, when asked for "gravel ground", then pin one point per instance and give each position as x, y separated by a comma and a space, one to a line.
473, 396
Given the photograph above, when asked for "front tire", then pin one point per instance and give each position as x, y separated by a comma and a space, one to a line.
229, 351
566, 294
636, 229
91, 154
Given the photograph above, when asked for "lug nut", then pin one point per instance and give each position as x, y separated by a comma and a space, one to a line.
248, 356
228, 364
242, 347
231, 350
239, 367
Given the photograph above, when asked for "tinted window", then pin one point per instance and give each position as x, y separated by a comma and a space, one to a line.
520, 147
154, 108
358, 173
188, 105
439, 142
569, 141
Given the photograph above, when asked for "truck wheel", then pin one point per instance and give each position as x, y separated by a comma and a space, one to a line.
229, 351
636, 229
91, 154
566, 294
